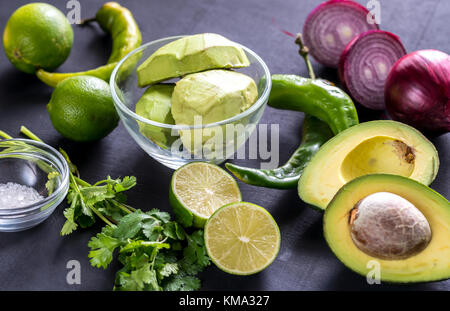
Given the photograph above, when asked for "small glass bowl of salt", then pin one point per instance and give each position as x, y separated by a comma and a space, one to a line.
34, 180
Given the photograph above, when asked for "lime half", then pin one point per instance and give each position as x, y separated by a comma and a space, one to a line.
242, 238
198, 189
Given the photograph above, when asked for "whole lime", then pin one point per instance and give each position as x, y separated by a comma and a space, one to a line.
37, 35
81, 109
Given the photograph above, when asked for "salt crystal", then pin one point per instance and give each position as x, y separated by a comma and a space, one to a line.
14, 195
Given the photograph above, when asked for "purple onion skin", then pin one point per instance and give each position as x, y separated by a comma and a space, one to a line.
417, 91
330, 57
373, 99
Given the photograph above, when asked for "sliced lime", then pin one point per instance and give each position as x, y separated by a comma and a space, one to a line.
198, 189
242, 238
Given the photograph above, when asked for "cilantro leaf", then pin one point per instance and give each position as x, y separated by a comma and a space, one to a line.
174, 231
93, 195
133, 244
182, 283
139, 279
168, 269
102, 248
119, 185
68, 227
163, 216
152, 229
130, 225
52, 182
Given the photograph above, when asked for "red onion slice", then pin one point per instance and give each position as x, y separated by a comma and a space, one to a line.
331, 26
365, 63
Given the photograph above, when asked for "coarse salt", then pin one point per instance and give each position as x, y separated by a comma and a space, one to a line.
13, 195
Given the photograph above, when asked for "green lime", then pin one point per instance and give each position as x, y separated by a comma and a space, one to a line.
242, 238
198, 189
81, 109
37, 35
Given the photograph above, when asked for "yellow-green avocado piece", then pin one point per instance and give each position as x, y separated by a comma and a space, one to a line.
191, 54
213, 95
383, 146
155, 105
430, 264
207, 97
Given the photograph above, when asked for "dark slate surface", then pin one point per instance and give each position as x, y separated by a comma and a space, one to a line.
36, 259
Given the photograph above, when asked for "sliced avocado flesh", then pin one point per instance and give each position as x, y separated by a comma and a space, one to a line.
384, 146
207, 97
430, 264
191, 54
155, 105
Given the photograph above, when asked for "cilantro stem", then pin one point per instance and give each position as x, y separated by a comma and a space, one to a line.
24, 130
96, 212
76, 181
81, 182
4, 135
100, 215
123, 207
98, 183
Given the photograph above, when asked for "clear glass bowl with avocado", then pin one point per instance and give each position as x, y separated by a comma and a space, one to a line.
190, 98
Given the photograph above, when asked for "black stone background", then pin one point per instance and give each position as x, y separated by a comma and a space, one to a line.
36, 259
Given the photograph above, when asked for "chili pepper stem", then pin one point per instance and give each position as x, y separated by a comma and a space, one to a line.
86, 21
304, 51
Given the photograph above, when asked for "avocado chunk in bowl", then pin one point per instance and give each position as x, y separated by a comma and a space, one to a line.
191, 54
235, 106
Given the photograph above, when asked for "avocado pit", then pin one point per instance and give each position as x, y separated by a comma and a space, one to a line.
387, 226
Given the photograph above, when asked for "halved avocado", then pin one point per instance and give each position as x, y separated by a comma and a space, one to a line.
191, 54
431, 263
373, 147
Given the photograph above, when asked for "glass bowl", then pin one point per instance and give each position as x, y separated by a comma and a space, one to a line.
176, 145
29, 163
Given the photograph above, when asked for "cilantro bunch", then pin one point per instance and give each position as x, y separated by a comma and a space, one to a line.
156, 253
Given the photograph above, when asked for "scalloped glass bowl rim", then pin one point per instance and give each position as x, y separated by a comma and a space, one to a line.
63, 185
118, 102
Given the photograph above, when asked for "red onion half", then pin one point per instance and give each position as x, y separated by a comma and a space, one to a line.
418, 90
365, 63
331, 25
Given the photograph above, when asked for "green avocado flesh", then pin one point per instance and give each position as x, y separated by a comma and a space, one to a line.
430, 263
155, 105
375, 147
207, 97
213, 95
191, 54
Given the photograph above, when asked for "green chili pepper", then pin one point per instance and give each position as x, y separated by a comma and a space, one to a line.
318, 98
119, 22
315, 134
325, 106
